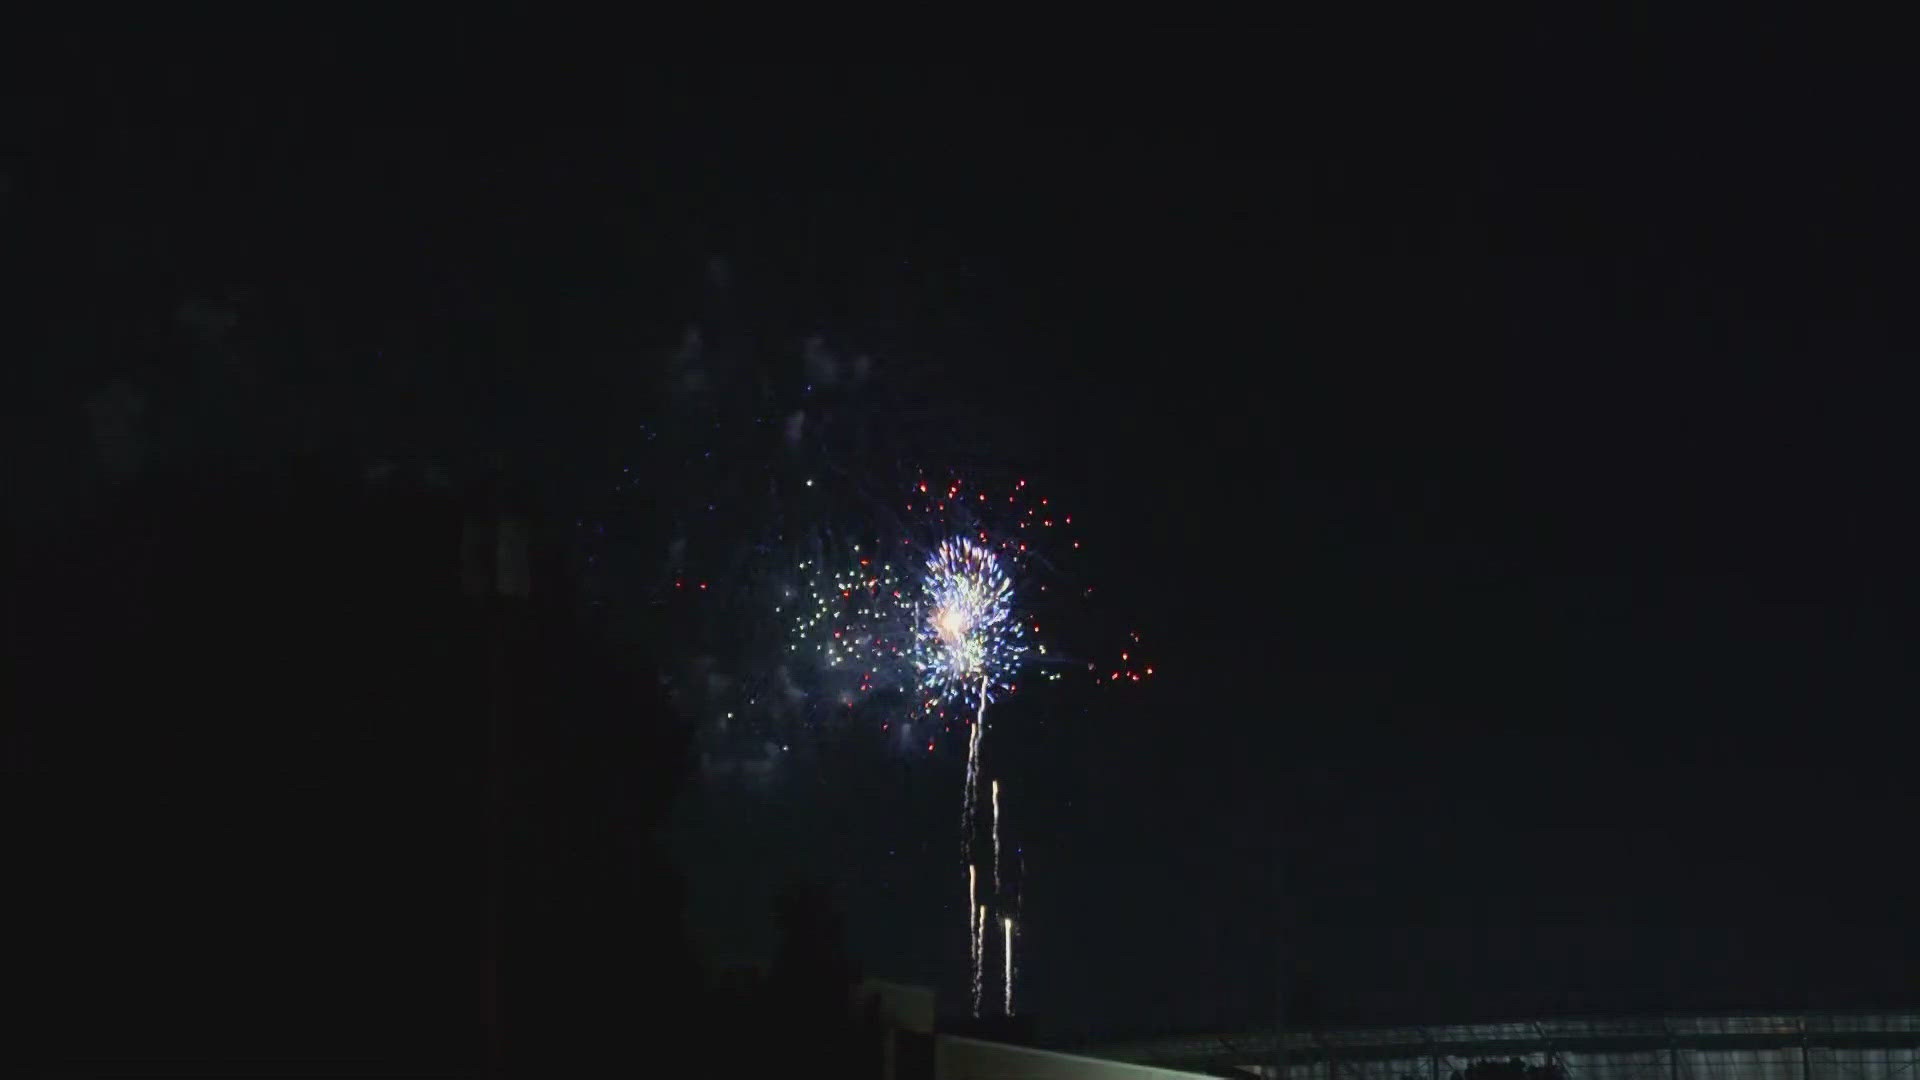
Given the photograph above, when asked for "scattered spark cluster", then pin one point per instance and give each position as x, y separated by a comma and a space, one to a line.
1131, 667
851, 617
1008, 520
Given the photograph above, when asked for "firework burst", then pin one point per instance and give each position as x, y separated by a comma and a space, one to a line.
942, 644
968, 643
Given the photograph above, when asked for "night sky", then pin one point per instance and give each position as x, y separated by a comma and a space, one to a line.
1506, 451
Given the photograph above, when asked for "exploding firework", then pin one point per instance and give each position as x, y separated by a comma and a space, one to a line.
943, 644
968, 643
727, 542
862, 626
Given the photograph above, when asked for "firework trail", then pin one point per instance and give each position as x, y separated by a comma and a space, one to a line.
973, 935
971, 792
966, 845
1006, 935
996, 838
979, 947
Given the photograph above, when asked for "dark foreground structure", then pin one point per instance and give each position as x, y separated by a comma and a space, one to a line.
1782, 1046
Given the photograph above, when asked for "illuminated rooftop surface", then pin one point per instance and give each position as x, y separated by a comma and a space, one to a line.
1717, 1045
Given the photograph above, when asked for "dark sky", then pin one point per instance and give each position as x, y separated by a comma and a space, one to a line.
1507, 447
